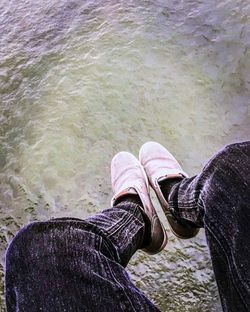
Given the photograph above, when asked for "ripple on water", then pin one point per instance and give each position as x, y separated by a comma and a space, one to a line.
82, 80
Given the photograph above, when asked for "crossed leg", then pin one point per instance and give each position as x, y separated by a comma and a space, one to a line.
218, 199
79, 265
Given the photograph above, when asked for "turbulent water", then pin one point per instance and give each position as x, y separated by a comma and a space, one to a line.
82, 80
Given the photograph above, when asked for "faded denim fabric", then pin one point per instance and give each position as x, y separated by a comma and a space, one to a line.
76, 265
79, 265
219, 200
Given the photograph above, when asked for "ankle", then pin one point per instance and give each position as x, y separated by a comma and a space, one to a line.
135, 199
167, 185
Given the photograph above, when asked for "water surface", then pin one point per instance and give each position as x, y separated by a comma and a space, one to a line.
82, 80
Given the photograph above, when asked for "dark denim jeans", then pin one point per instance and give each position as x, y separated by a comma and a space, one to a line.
79, 265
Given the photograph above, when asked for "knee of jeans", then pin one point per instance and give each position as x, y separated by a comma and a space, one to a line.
236, 154
237, 148
231, 153
20, 240
231, 148
227, 177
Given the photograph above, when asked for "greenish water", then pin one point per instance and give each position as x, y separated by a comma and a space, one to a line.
82, 80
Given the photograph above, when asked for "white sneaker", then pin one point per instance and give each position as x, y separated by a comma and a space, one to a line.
129, 177
159, 165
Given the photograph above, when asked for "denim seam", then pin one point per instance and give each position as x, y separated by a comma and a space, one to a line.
234, 277
123, 292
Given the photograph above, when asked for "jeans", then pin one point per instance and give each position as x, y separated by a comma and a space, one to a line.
79, 265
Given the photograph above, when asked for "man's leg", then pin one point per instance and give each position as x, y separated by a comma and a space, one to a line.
219, 200
77, 265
